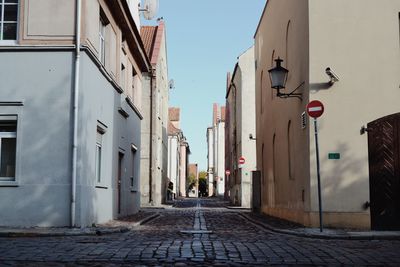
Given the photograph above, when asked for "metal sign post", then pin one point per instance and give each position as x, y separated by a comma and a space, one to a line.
315, 109
318, 176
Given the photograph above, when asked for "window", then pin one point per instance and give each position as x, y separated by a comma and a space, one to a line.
102, 40
8, 145
99, 141
8, 19
133, 83
123, 77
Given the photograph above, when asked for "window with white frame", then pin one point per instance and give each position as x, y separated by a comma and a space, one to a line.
8, 148
102, 39
8, 19
99, 144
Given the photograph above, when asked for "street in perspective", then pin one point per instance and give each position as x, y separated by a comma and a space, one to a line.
199, 133
202, 232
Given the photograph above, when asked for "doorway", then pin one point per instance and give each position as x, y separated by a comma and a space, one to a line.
119, 179
384, 172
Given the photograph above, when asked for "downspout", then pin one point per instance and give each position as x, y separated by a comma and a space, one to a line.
75, 111
151, 140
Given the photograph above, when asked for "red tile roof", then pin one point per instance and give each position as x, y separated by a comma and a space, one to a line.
152, 37
148, 34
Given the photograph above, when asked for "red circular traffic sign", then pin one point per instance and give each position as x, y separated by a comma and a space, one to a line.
242, 160
227, 172
315, 109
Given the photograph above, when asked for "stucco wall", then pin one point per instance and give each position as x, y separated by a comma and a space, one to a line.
283, 32
43, 184
348, 38
99, 104
246, 124
221, 158
210, 161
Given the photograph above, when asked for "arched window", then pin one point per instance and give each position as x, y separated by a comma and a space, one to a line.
262, 165
287, 45
261, 91
274, 168
290, 149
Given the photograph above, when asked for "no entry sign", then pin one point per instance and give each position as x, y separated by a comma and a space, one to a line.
242, 160
315, 109
227, 172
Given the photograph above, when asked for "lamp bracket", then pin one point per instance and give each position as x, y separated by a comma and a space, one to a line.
291, 94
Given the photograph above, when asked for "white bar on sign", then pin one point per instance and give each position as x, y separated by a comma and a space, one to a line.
315, 109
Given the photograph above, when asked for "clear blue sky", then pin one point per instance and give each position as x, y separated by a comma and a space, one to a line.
204, 39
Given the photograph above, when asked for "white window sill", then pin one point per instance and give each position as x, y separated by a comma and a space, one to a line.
8, 42
4, 183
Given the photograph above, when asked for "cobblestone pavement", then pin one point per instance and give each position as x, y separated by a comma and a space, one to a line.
196, 233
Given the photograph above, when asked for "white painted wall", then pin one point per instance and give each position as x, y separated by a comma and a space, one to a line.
134, 8
220, 161
246, 123
210, 160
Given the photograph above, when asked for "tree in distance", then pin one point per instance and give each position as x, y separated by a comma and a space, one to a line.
203, 189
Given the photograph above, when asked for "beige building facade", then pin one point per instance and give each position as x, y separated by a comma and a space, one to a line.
311, 36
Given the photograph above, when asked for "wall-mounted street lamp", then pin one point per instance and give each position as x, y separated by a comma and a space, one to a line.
278, 77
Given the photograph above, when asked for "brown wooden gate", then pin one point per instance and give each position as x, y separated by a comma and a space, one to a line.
384, 171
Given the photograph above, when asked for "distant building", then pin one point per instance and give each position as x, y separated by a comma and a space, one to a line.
183, 168
194, 171
70, 119
240, 128
178, 155
154, 156
359, 177
216, 150
210, 161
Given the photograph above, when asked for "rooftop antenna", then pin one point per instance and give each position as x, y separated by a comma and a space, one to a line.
149, 9
171, 84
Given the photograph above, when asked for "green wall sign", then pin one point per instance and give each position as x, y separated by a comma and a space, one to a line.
334, 156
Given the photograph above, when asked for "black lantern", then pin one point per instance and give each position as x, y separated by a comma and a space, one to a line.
278, 77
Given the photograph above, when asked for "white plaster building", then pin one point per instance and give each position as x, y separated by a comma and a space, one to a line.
241, 125
72, 74
154, 156
178, 154
210, 161
216, 147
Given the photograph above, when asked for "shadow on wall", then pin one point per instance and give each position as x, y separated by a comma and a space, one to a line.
344, 180
43, 162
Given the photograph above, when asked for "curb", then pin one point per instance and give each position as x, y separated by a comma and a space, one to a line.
74, 231
70, 232
238, 208
322, 235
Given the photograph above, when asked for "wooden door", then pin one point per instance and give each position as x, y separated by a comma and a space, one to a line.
384, 170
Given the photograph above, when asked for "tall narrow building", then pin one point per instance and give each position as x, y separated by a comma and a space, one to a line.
216, 151
154, 156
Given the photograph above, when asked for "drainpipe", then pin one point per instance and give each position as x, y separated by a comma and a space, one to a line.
151, 139
75, 111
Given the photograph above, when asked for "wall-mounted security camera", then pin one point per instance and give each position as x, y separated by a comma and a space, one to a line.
251, 137
334, 78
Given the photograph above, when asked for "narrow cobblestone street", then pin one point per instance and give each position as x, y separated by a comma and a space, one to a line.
196, 233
